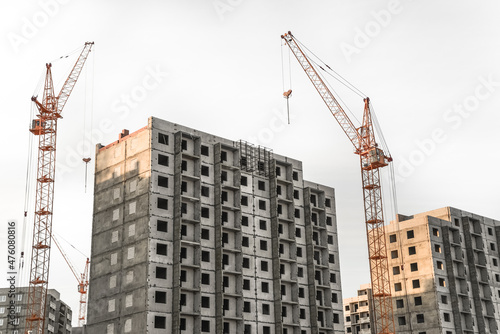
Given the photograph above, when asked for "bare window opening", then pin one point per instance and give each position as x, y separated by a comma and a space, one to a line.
184, 145
244, 241
296, 194
330, 239
263, 225
261, 166
263, 245
412, 250
161, 226
264, 287
401, 321
416, 283
278, 190
333, 278
205, 234
331, 258
400, 303
184, 208
446, 317
205, 256
435, 232
223, 176
420, 318
244, 220
394, 254
162, 203
225, 259
205, 326
410, 234
414, 266
160, 297
313, 199
205, 279
225, 217
278, 171
182, 326
244, 200
246, 284
299, 251
444, 299
265, 309
298, 232
392, 238
263, 265
295, 176
490, 231
224, 196
301, 293
244, 181
281, 249
183, 230
262, 205
329, 221
437, 248
335, 298
300, 272
297, 213
280, 228
205, 302
161, 249
442, 282
328, 202
314, 218
205, 170
396, 270
161, 272
160, 322
262, 185
246, 307
183, 276
223, 156
225, 238
184, 165
397, 286
280, 209
162, 138
302, 314
205, 212
492, 246
246, 262
162, 160
184, 187
205, 191
162, 181
418, 301
204, 150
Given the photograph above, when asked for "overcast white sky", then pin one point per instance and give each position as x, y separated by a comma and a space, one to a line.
431, 69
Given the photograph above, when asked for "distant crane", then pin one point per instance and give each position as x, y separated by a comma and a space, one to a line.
372, 159
45, 127
83, 283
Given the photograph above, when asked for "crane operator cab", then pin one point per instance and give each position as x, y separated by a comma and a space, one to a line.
37, 127
376, 159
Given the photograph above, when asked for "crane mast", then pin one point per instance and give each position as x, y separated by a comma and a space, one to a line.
372, 159
45, 127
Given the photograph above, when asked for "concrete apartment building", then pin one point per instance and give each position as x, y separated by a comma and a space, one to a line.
358, 311
445, 272
194, 233
58, 313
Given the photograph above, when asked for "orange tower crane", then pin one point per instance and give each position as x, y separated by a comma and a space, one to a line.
372, 159
45, 127
83, 283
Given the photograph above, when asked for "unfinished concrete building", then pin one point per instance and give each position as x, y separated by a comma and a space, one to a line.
445, 273
58, 314
194, 233
358, 311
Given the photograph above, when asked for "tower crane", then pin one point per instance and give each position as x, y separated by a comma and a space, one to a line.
372, 158
83, 283
45, 127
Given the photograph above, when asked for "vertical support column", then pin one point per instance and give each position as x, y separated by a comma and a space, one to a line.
176, 267
273, 203
451, 279
467, 223
313, 309
219, 293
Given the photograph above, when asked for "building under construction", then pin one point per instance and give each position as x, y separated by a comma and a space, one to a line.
201, 234
445, 273
58, 313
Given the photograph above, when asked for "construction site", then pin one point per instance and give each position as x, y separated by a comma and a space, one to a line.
192, 201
